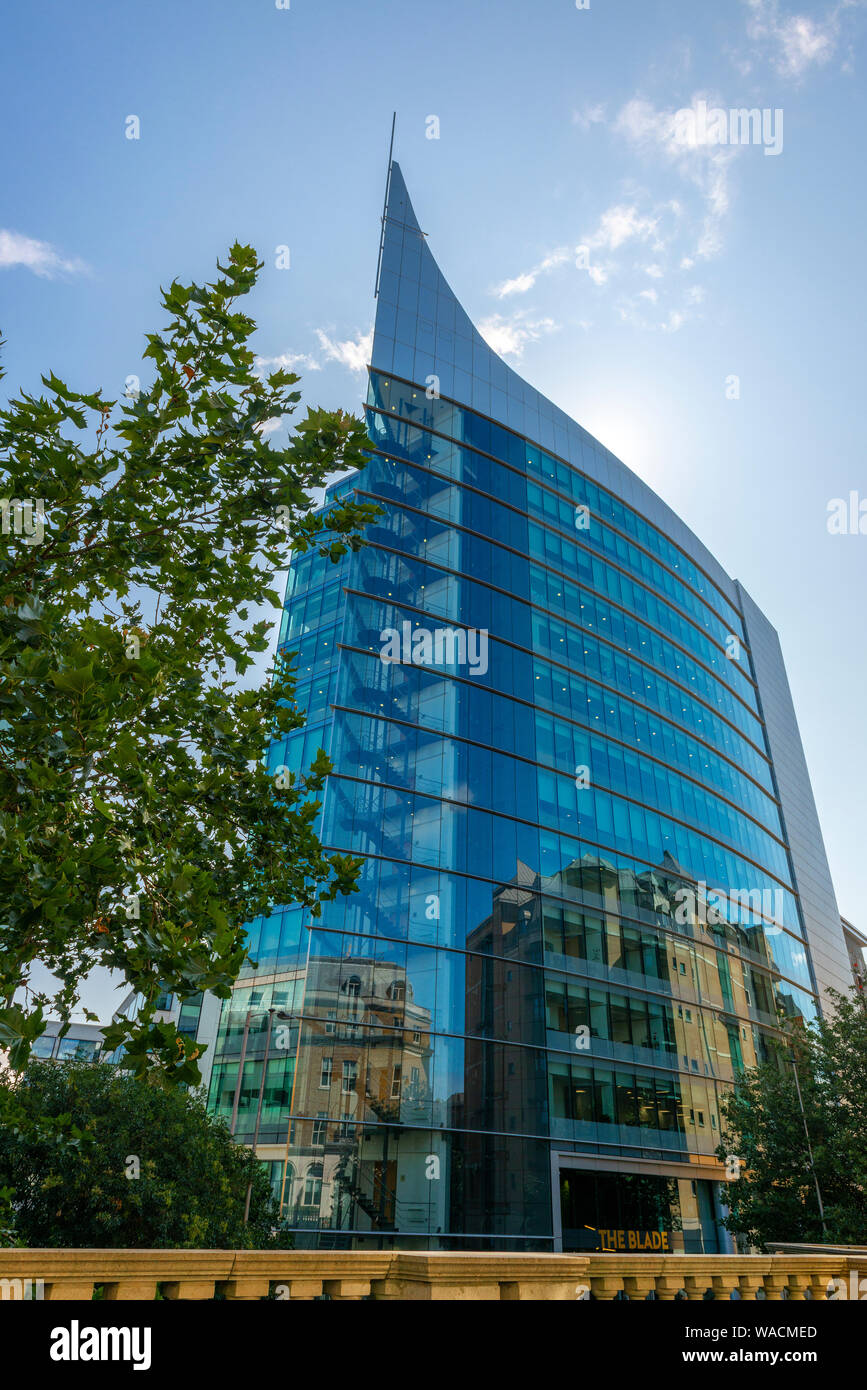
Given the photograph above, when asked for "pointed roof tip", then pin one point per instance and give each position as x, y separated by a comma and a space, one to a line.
399, 203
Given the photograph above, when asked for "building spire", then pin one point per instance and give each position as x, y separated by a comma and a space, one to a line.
385, 205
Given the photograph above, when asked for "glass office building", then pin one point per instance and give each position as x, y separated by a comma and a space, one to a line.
594, 883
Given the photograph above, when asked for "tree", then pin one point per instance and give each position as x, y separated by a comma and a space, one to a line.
139, 827
101, 1158
784, 1151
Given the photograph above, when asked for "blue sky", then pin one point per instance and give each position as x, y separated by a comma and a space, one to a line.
558, 129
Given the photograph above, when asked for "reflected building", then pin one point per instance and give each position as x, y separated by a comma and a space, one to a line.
594, 885
82, 1042
856, 946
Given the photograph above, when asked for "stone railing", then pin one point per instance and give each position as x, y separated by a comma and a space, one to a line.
308, 1274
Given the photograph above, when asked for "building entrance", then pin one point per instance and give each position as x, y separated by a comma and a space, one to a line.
637, 1213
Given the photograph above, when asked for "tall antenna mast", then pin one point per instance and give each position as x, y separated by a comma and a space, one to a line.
385, 206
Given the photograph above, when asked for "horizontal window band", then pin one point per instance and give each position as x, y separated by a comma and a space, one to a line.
594, 909
595, 681
563, 577
413, 611
532, 519
609, 850
374, 371
693, 1000
558, 772
577, 627
331, 1037
555, 1142
582, 905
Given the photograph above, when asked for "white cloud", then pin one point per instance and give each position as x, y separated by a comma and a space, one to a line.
681, 228
509, 336
641, 123
353, 353
517, 287
687, 147
796, 42
646, 312
688, 229
621, 224
520, 284
38, 256
555, 258
617, 225
588, 116
803, 43
718, 202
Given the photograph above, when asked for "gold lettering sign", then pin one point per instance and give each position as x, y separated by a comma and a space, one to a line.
638, 1241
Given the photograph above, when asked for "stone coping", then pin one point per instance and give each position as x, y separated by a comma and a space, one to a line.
456, 1275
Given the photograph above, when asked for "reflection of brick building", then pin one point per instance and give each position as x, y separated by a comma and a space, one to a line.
856, 945
367, 1057
82, 1042
657, 1011
502, 1085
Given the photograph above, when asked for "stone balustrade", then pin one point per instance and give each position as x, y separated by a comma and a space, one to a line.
435, 1275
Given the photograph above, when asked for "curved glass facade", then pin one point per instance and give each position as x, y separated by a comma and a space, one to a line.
580, 913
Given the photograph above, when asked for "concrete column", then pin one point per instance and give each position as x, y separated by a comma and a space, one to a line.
244, 1288
340, 1289
189, 1289
129, 1290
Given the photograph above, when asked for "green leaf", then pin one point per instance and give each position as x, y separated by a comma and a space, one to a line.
76, 682
133, 761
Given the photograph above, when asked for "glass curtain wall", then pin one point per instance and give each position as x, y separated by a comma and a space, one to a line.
577, 920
